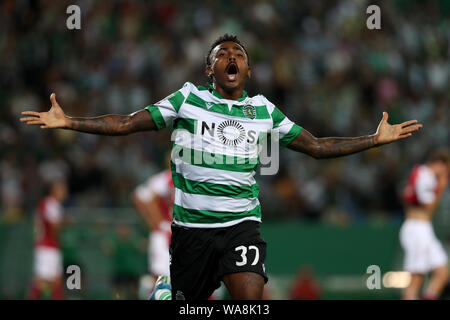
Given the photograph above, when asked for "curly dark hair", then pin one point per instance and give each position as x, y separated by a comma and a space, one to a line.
226, 37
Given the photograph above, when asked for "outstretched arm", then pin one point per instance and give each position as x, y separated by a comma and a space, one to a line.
110, 124
320, 148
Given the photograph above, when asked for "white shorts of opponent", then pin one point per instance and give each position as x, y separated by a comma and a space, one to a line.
159, 258
47, 263
423, 251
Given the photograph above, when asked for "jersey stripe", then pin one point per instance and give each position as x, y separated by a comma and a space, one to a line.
291, 135
209, 217
185, 123
213, 189
236, 110
215, 203
177, 100
277, 117
156, 116
213, 161
216, 176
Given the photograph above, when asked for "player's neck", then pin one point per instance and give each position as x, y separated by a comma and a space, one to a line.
233, 94
55, 197
433, 167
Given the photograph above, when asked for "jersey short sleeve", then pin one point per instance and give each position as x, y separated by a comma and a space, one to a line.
426, 186
53, 212
287, 129
165, 111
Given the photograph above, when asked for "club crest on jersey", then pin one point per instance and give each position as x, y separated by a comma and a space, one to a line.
249, 111
231, 132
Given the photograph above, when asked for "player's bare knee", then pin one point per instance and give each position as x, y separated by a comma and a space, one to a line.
440, 270
442, 273
245, 286
247, 293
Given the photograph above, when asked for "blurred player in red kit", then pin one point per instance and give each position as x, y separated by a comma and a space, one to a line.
154, 201
48, 267
423, 251
305, 287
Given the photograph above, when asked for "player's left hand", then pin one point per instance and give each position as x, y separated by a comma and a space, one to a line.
387, 133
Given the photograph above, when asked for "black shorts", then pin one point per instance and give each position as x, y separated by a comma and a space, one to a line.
200, 257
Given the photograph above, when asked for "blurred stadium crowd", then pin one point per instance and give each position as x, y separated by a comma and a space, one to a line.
316, 60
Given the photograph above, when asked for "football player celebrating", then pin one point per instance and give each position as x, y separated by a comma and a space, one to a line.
216, 215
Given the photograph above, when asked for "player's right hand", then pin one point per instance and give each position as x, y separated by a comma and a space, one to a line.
54, 118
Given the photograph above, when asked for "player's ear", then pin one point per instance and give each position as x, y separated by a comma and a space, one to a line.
208, 71
249, 72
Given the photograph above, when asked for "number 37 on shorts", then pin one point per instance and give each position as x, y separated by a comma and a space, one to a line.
244, 251
249, 256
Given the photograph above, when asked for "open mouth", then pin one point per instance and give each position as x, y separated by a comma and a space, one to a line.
232, 71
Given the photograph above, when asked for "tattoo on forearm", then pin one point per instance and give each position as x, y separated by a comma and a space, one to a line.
330, 147
335, 147
107, 125
113, 124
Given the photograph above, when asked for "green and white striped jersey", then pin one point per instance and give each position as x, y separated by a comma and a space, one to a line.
215, 153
